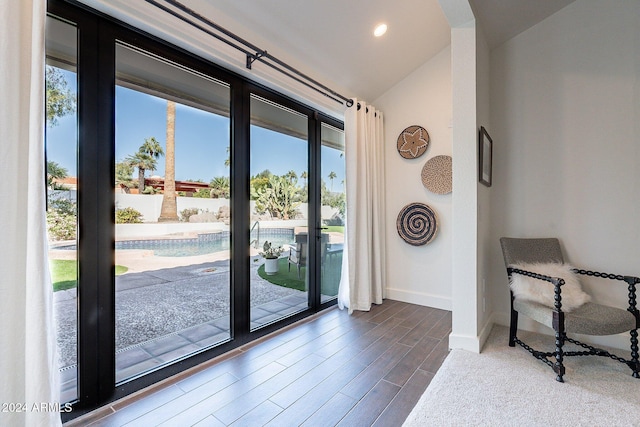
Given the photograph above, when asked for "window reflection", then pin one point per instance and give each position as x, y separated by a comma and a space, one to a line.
62, 184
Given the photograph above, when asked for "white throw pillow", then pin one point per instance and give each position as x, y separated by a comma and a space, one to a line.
541, 291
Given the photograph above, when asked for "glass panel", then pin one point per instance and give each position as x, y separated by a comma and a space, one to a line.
333, 198
172, 212
279, 175
62, 213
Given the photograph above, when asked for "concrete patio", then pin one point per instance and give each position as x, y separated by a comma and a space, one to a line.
168, 313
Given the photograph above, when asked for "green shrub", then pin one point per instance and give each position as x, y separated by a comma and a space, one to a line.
63, 206
279, 197
337, 201
202, 193
185, 214
150, 190
60, 225
128, 216
62, 219
220, 187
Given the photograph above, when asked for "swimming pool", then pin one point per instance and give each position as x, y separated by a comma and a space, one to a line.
201, 245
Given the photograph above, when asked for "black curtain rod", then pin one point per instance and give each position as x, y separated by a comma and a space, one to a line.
252, 52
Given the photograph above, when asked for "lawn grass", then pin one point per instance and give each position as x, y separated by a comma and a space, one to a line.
337, 228
64, 273
289, 279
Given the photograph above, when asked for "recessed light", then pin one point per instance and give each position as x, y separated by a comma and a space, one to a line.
380, 30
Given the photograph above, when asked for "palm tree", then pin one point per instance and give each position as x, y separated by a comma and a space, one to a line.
304, 176
332, 176
145, 159
169, 210
152, 147
291, 176
143, 162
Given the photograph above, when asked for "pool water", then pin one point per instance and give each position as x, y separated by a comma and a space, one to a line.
205, 243
201, 245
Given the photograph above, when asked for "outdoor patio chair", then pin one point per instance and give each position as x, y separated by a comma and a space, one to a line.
589, 318
298, 253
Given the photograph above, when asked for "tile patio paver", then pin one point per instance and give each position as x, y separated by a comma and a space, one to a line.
156, 352
137, 359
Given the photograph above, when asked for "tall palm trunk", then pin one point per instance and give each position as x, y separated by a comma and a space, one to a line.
140, 180
169, 211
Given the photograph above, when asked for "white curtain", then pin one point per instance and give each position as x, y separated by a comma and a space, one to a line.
364, 273
28, 366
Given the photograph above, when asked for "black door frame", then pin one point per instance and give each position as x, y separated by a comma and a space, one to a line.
97, 37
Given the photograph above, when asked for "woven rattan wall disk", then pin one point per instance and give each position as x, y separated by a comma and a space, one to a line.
413, 142
437, 174
417, 224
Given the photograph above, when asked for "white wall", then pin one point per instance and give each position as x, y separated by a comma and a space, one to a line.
565, 120
418, 274
485, 239
150, 205
465, 328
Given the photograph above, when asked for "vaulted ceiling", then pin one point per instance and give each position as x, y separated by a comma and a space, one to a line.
332, 40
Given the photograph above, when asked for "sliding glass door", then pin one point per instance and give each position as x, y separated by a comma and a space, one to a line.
62, 190
190, 210
172, 216
279, 146
332, 210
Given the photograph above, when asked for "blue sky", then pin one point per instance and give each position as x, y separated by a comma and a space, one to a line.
201, 141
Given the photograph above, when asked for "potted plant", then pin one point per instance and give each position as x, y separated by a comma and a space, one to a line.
270, 255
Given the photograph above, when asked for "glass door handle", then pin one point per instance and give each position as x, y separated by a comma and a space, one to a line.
319, 235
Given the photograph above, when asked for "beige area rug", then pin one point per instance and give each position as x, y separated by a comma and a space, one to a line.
505, 386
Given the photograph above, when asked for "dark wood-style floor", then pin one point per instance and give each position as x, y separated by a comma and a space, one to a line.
334, 369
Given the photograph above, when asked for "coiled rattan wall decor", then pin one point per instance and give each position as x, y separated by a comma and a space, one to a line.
437, 174
417, 224
413, 142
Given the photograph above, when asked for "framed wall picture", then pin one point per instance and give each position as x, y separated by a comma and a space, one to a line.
485, 146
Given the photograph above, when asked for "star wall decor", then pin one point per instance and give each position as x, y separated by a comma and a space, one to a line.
413, 142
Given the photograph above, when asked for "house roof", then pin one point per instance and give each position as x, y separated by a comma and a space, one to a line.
186, 186
70, 182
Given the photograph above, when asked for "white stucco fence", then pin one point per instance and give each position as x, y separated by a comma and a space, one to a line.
149, 206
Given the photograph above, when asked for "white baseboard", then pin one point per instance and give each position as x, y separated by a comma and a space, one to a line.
428, 300
472, 343
464, 342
